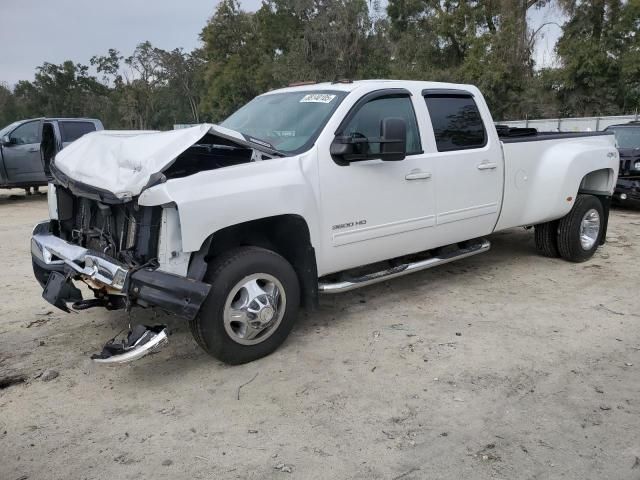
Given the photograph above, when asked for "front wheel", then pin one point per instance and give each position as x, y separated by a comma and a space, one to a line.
251, 308
580, 231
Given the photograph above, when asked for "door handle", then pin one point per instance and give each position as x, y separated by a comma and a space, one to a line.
487, 166
417, 175
32, 150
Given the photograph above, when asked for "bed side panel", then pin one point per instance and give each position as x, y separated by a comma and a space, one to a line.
542, 178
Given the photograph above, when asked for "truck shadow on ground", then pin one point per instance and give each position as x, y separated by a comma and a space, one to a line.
621, 208
183, 354
21, 198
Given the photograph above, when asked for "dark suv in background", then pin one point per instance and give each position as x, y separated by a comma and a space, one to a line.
628, 185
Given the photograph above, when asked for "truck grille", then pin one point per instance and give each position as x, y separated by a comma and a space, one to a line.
127, 232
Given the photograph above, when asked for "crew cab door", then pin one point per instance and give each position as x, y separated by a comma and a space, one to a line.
374, 209
468, 164
22, 154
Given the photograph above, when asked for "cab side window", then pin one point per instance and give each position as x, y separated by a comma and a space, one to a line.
456, 121
366, 121
71, 131
26, 134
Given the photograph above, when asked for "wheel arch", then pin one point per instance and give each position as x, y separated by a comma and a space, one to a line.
287, 235
599, 183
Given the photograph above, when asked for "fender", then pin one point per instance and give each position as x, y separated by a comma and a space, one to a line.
212, 200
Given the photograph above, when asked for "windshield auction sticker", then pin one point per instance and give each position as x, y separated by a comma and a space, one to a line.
317, 98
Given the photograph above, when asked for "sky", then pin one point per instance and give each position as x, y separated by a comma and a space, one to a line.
37, 31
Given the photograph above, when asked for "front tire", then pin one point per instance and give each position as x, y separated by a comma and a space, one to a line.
580, 231
251, 308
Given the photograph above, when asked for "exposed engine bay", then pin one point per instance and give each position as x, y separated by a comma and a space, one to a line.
210, 153
125, 232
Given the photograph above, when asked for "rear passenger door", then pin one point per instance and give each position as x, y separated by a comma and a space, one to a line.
468, 165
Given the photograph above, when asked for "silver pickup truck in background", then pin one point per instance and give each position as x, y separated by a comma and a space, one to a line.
27, 147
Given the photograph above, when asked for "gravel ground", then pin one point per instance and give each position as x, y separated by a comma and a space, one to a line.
505, 365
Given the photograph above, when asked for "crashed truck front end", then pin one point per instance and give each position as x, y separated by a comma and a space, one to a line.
113, 249
100, 235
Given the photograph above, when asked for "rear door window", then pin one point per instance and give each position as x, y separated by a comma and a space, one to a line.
71, 131
457, 123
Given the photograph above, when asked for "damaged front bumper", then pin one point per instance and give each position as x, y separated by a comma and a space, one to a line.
56, 262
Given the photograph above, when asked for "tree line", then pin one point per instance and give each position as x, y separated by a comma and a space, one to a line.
484, 42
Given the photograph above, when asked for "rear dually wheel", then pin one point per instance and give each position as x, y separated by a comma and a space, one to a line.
580, 231
546, 238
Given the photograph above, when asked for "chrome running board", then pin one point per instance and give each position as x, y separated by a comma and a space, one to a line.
403, 269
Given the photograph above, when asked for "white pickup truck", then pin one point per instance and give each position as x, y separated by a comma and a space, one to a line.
310, 189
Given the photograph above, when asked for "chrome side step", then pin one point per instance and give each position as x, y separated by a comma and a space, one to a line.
403, 269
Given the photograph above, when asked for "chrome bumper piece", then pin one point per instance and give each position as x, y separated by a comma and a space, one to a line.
52, 250
137, 351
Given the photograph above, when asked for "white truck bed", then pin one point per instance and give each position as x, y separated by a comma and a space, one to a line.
540, 173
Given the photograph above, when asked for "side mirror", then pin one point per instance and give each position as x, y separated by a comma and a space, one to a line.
5, 141
339, 149
346, 149
357, 148
393, 139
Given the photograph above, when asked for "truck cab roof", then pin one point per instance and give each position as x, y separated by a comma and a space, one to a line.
5, 130
58, 119
350, 86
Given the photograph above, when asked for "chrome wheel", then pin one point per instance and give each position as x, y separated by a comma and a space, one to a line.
254, 308
589, 229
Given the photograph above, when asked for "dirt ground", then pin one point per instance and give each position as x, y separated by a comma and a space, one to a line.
506, 365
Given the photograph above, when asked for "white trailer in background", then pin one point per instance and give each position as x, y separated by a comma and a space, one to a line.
580, 124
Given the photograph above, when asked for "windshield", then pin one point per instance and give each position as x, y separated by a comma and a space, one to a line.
627, 137
289, 122
8, 128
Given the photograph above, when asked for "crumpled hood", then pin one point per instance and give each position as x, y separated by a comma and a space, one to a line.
122, 162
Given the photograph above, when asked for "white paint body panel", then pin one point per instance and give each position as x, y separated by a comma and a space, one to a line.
542, 175
52, 202
211, 200
385, 214
171, 256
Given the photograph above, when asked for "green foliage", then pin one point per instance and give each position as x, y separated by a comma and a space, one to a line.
8, 107
599, 49
60, 90
484, 42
